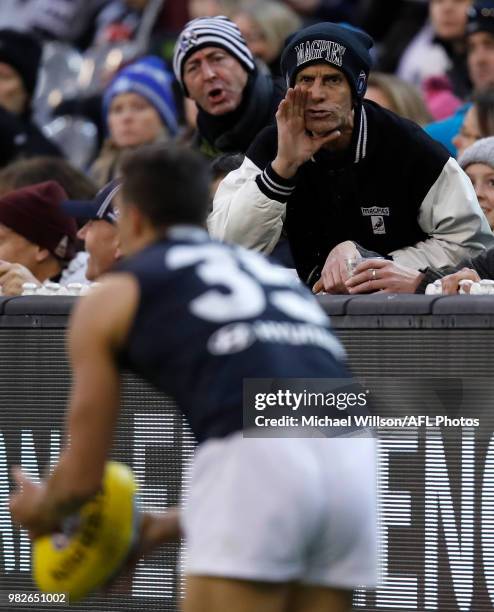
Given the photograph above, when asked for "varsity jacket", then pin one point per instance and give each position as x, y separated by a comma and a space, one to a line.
394, 191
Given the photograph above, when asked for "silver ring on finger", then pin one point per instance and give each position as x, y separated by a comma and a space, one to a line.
374, 275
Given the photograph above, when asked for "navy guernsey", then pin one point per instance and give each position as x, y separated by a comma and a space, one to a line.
211, 315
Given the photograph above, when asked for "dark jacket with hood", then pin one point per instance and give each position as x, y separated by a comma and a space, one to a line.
235, 131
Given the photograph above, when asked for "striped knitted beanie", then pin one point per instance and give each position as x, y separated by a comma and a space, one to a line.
210, 32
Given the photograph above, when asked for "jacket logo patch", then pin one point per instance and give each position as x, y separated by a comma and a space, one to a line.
375, 210
378, 226
376, 214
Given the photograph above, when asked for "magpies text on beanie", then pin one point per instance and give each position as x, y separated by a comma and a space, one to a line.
344, 47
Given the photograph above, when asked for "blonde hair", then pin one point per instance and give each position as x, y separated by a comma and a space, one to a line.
405, 99
275, 20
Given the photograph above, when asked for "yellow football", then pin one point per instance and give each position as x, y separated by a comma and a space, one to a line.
94, 543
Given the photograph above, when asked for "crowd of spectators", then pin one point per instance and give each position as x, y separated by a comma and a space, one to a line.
313, 162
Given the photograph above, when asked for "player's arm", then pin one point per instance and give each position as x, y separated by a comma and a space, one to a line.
98, 328
158, 529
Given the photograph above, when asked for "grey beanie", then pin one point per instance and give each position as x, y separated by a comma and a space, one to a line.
481, 152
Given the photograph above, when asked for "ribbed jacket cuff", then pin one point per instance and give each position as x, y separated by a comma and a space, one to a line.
274, 186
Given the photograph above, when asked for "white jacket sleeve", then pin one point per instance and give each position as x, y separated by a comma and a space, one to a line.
245, 215
450, 214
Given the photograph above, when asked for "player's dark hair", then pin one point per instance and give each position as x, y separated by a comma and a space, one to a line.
168, 183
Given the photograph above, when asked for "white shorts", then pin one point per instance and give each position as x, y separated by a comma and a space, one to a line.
283, 510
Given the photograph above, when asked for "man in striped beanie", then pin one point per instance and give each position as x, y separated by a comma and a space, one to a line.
217, 70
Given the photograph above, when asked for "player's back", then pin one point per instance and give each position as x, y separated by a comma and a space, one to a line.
211, 315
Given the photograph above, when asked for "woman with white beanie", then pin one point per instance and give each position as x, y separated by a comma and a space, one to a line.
478, 162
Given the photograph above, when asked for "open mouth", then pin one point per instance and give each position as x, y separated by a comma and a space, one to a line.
215, 95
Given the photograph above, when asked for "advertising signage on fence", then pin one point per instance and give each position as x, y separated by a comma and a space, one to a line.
436, 483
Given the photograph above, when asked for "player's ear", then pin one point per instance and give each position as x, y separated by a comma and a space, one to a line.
117, 247
137, 220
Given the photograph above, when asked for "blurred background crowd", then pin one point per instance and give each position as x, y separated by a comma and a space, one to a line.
83, 81
71, 51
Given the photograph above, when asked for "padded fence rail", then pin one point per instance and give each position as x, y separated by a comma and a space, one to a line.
436, 486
